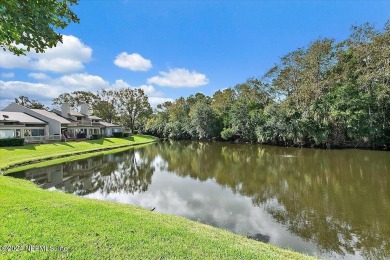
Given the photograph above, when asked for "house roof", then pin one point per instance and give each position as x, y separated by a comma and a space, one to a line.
19, 117
94, 117
51, 115
106, 124
72, 113
75, 113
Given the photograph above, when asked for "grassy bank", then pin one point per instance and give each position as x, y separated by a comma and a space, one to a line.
32, 153
91, 229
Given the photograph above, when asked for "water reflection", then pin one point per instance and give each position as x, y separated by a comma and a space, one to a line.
328, 203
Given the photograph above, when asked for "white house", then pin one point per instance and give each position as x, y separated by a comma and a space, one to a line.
85, 123
56, 123
66, 122
18, 124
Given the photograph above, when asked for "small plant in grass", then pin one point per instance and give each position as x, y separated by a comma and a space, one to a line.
96, 136
117, 134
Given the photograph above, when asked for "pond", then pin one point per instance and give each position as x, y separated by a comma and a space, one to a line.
327, 203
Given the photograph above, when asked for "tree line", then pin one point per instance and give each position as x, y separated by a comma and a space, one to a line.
326, 94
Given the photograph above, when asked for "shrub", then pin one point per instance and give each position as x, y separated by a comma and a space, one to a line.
117, 134
227, 133
12, 142
81, 135
96, 136
126, 134
135, 132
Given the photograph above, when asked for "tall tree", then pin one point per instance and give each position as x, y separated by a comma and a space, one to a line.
31, 24
106, 105
134, 107
76, 98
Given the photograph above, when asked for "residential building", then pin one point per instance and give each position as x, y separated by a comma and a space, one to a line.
66, 123
18, 124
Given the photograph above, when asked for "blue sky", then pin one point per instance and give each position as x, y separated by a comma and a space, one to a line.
177, 48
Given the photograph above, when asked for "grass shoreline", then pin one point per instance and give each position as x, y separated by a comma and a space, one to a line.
15, 157
37, 223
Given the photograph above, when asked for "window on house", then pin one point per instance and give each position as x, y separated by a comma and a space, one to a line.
6, 133
37, 132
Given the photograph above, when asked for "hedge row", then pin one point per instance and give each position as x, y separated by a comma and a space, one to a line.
12, 142
96, 136
121, 134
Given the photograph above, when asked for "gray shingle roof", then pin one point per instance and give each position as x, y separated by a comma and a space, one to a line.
51, 115
19, 117
94, 117
106, 124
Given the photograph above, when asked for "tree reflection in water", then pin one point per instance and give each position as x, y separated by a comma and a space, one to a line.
339, 200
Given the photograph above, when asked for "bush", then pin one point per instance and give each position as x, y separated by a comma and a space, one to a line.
12, 142
96, 136
135, 132
81, 135
228, 133
126, 134
117, 134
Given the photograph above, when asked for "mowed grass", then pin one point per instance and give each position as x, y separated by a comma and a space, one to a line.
11, 156
92, 229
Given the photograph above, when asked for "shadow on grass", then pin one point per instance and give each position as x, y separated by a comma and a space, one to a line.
100, 141
24, 147
63, 144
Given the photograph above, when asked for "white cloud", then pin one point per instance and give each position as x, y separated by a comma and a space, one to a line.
37, 91
154, 101
148, 89
52, 88
66, 57
177, 78
7, 75
134, 62
38, 76
119, 83
83, 81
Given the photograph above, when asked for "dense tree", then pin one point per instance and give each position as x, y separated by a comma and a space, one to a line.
106, 106
31, 24
325, 94
134, 107
75, 98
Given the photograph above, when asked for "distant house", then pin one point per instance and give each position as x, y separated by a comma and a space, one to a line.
18, 124
83, 122
66, 122
56, 123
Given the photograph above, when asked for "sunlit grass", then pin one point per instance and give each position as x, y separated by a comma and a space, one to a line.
10, 156
92, 229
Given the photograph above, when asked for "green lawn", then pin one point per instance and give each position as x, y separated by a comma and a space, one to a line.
11, 156
92, 229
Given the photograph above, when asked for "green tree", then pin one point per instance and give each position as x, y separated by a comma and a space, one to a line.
106, 105
31, 24
76, 98
134, 108
33, 104
204, 120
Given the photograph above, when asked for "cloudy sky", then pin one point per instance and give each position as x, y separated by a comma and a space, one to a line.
177, 48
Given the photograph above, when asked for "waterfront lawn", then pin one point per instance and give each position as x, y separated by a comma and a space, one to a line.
31, 153
91, 229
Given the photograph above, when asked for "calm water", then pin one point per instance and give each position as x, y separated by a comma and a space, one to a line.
332, 204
